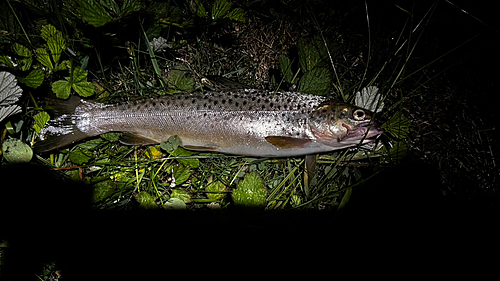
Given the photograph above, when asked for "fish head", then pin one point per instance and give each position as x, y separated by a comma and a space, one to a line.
341, 125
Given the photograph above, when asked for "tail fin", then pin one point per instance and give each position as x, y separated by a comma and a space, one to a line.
62, 128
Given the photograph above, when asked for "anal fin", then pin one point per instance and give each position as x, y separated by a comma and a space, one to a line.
129, 138
287, 142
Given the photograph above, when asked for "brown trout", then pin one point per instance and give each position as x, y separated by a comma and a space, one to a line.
243, 122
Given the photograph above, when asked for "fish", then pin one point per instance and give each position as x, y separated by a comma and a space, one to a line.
245, 122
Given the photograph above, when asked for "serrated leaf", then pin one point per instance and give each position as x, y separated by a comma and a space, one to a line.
62, 89
220, 8
236, 14
10, 92
48, 31
25, 64
130, 6
316, 82
6, 60
200, 9
250, 192
398, 126
56, 44
216, 190
43, 57
93, 12
309, 55
80, 156
6, 111
286, 70
40, 120
178, 79
369, 98
22, 51
84, 89
34, 79
16, 151
146, 201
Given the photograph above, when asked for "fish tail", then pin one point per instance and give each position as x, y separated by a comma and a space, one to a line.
62, 129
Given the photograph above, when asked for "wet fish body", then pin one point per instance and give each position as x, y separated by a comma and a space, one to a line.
242, 122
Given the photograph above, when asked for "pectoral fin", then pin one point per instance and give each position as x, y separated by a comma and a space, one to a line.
287, 142
135, 139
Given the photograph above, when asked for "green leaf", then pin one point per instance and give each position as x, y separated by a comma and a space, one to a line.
130, 6
25, 64
316, 82
56, 44
398, 126
22, 51
216, 190
84, 89
200, 9
16, 151
181, 174
91, 144
34, 79
181, 194
175, 204
43, 57
62, 89
286, 69
309, 55
48, 31
250, 192
40, 120
178, 79
103, 190
6, 60
181, 152
220, 9
112, 137
80, 156
93, 12
236, 14
146, 201
171, 144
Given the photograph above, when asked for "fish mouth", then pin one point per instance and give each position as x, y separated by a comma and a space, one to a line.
370, 131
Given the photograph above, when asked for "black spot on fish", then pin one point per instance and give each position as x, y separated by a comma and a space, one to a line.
263, 107
186, 97
223, 101
271, 105
205, 97
237, 104
298, 107
230, 101
205, 105
205, 115
209, 107
285, 106
253, 98
178, 97
258, 101
193, 101
215, 102
154, 104
244, 102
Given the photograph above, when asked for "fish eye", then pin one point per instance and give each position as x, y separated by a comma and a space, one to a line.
359, 114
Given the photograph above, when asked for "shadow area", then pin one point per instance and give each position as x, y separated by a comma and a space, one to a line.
47, 219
